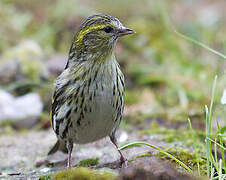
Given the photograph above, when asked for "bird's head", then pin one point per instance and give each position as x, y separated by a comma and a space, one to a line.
99, 33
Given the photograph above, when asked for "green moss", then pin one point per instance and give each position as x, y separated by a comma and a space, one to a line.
131, 97
82, 173
191, 159
154, 80
134, 119
182, 134
89, 162
46, 177
7, 129
6, 123
140, 156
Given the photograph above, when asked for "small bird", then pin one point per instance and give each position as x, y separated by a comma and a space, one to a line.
88, 101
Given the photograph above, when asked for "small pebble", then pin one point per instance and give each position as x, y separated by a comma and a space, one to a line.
123, 137
14, 173
45, 170
223, 98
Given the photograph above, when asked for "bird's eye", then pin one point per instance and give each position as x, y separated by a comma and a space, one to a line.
108, 29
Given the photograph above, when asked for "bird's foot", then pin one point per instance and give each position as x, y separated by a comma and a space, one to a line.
124, 162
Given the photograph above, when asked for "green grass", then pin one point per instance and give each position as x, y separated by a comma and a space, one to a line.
214, 164
194, 137
159, 149
215, 167
201, 45
88, 162
210, 160
46, 177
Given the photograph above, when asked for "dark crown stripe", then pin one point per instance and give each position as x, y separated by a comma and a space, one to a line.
99, 19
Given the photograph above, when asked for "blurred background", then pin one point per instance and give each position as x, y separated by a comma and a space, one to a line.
168, 79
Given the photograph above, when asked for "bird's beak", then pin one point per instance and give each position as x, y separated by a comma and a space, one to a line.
125, 31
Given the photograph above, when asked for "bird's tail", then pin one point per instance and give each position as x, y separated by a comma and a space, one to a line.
59, 145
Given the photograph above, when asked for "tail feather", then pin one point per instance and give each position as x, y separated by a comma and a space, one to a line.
59, 145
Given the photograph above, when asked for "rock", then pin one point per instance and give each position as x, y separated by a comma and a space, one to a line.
151, 168
223, 98
123, 137
8, 70
27, 123
27, 107
22, 61
208, 16
56, 64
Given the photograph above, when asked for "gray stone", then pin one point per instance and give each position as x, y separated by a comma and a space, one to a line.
223, 98
22, 61
56, 64
19, 108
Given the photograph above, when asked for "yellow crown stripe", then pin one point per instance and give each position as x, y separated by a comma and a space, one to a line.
82, 33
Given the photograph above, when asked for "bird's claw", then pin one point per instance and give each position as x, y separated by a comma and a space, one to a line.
124, 162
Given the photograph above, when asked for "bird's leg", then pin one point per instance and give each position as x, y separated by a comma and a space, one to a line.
69, 148
124, 161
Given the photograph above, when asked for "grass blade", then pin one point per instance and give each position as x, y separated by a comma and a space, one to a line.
159, 149
195, 142
207, 142
200, 44
210, 160
221, 146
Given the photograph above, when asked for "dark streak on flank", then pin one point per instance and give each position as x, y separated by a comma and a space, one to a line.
70, 96
95, 76
90, 97
58, 122
80, 118
82, 93
114, 89
70, 101
89, 83
76, 102
85, 109
96, 73
84, 75
66, 128
82, 101
117, 102
77, 91
76, 109
121, 101
68, 114
79, 121
117, 80
122, 82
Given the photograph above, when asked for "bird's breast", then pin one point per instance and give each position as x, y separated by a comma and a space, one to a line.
98, 120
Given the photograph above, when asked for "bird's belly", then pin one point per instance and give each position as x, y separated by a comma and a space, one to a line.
99, 122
